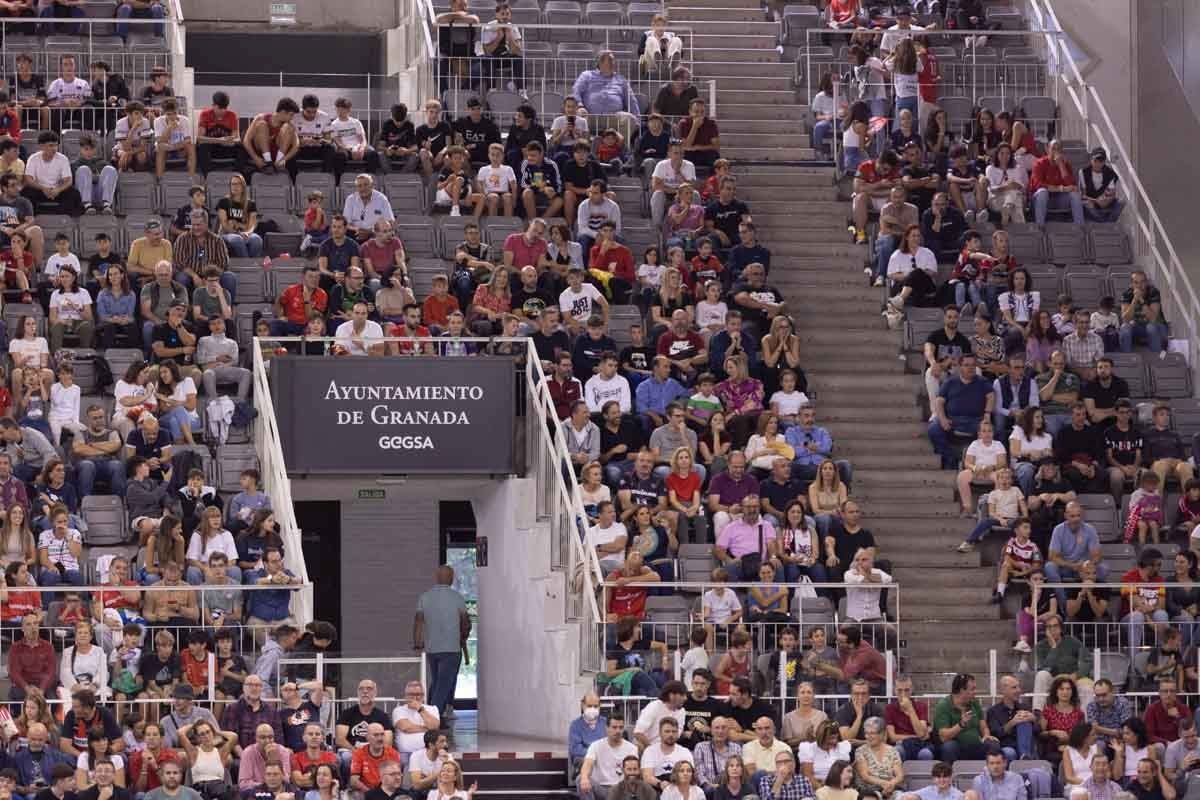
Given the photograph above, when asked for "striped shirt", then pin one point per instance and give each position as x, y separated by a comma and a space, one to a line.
197, 253
1082, 352
1027, 554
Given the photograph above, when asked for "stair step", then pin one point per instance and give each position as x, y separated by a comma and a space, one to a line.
683, 16
972, 663
722, 28
910, 509
932, 560
886, 493
742, 55
844, 366
721, 70
789, 140
880, 337
760, 96
944, 578
768, 217
737, 153
930, 610
756, 40
720, 4
737, 110
833, 412
868, 429
884, 525
952, 629
914, 477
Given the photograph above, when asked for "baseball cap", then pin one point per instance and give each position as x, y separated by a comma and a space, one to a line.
154, 224
474, 103
1100, 153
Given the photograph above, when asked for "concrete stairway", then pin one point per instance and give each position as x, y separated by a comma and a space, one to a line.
756, 110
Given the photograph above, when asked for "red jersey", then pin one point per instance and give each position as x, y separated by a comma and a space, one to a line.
292, 300
18, 605
366, 766
1047, 173
705, 270
302, 763
165, 754
436, 311
626, 601
217, 123
927, 77
413, 348
195, 671
10, 125
117, 600
10, 264
868, 172
618, 260
1133, 582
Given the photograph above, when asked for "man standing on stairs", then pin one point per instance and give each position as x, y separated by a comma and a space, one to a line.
440, 630
962, 403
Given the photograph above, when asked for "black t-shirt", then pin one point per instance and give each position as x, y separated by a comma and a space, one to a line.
765, 294
339, 255
1142, 793
439, 136
151, 449
945, 347
636, 655
48, 794
531, 303
586, 355
1124, 444
1070, 443
237, 212
294, 721
155, 97
27, 90
100, 264
397, 134
845, 714
78, 728
464, 187
163, 673
549, 347
357, 722
379, 794
477, 136
643, 491
628, 433
726, 217
780, 494
846, 544
1106, 397
250, 547
651, 146
170, 338
637, 357
93, 793
580, 177
700, 711
746, 716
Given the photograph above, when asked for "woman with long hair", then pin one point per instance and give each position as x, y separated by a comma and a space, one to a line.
988, 348
798, 545
209, 757
781, 351
1060, 715
70, 311
1028, 444
742, 397
1183, 601
162, 545
1041, 341
818, 756
856, 136
800, 725
98, 747
1007, 181
826, 494
177, 402
1133, 747
672, 296
237, 217
51, 489
136, 393
211, 537
715, 444
824, 110
116, 310
912, 270
681, 785
325, 783
30, 353
839, 783
1018, 306
768, 444
683, 484
982, 459
563, 250
34, 709
735, 783
491, 302
449, 784
656, 543
939, 138
16, 539
985, 138
1077, 754
906, 85
15, 604
263, 533
684, 222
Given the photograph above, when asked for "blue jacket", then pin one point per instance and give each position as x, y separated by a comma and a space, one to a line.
580, 736
28, 772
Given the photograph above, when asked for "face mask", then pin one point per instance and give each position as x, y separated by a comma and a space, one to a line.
591, 713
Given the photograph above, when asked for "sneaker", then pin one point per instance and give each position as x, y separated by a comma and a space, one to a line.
455, 211
1022, 646
895, 303
89, 209
964, 547
1023, 666
877, 282
997, 598
108, 209
868, 271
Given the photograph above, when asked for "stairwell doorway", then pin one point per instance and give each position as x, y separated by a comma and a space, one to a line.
461, 550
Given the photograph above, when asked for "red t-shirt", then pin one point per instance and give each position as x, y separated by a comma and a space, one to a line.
293, 303
165, 754
704, 271
626, 601
117, 600
618, 260
216, 123
383, 257
1048, 173
412, 348
927, 77
684, 488
1134, 582
436, 311
366, 766
195, 671
704, 136
10, 125
302, 763
673, 346
868, 172
893, 716
523, 253
9, 262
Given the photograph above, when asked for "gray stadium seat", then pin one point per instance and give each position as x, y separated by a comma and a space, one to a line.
422, 271
90, 225
1027, 243
406, 193
450, 231
174, 188
547, 104
231, 460
251, 278
1086, 285
1170, 376
1132, 369
797, 20
497, 229
1067, 244
1119, 278
1046, 277
1041, 112
272, 192
420, 240
120, 358
315, 181
53, 224
137, 195
105, 515
1109, 245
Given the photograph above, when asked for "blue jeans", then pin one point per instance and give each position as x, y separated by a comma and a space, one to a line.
1153, 333
851, 158
125, 11
1025, 743
940, 439
196, 576
177, 418
911, 104
1044, 201
964, 291
914, 749
1137, 622
443, 675
824, 524
112, 470
1110, 213
1056, 422
816, 573
239, 247
981, 530
51, 577
821, 130
59, 12
228, 283
1025, 474
1057, 574
953, 751
885, 245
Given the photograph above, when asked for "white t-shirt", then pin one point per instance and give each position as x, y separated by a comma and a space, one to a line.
70, 305
671, 792
181, 133
496, 180
420, 762
64, 402
894, 35
1007, 501
710, 313
789, 402
997, 176
48, 175
123, 390
184, 389
651, 274
560, 123
606, 760
598, 536
199, 550
82, 762
314, 128
348, 133
121, 133
719, 609
28, 351
667, 174
598, 391
579, 306
987, 455
694, 659
372, 334
900, 264
647, 724
906, 85
823, 104
1041, 441
491, 31
364, 214
1023, 307
822, 760
55, 263
76, 89
412, 742
862, 604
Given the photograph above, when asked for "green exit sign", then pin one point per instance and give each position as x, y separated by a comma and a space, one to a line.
372, 494
283, 13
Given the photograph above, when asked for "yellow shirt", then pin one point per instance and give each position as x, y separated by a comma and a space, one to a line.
17, 167
143, 256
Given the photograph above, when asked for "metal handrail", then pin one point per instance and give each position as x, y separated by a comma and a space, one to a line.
1146, 226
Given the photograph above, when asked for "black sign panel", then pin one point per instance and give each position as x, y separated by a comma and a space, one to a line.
395, 415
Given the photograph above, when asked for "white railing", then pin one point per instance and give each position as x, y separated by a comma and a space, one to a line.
1086, 117
277, 485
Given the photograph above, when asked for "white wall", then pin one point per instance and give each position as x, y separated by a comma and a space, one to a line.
528, 685
372, 15
1102, 28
